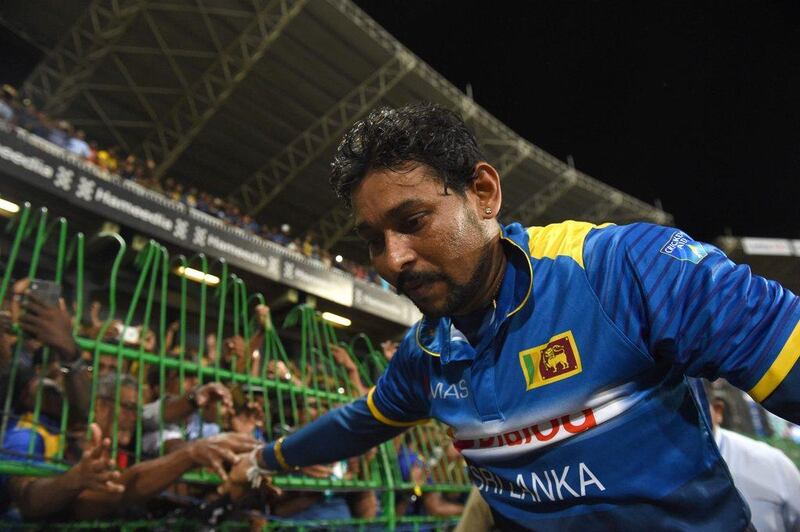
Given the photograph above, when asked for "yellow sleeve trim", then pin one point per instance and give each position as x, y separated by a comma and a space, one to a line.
385, 420
563, 239
277, 449
781, 367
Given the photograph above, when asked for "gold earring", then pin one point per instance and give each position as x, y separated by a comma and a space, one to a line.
488, 210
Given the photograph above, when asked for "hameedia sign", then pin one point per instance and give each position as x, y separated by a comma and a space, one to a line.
41, 164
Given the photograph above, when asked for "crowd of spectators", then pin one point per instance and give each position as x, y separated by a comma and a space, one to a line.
23, 113
129, 430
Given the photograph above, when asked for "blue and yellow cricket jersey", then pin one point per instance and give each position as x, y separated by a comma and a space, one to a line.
572, 409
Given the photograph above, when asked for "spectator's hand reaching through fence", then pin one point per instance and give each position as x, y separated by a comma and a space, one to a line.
233, 347
246, 475
262, 315
248, 418
342, 357
94, 314
51, 325
95, 471
317, 471
174, 327
211, 453
214, 391
6, 322
235, 442
418, 474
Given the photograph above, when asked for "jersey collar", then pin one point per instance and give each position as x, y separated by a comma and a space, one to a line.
437, 336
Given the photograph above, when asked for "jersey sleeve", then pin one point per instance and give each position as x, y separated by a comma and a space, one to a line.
396, 402
678, 298
400, 397
347, 431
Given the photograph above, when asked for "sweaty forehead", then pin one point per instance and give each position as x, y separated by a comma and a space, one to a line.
385, 193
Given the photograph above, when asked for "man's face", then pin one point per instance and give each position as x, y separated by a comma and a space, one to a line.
107, 364
717, 412
430, 245
104, 414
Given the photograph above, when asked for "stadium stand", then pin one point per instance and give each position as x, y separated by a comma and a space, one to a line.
22, 113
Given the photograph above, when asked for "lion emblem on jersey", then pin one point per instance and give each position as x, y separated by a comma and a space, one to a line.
551, 362
555, 358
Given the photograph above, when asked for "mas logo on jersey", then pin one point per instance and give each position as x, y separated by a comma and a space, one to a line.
682, 247
551, 362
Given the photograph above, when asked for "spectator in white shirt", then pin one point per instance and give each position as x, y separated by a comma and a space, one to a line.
766, 478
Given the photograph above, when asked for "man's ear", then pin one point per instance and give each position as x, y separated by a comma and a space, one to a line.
486, 189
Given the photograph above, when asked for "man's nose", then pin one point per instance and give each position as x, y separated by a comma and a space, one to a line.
399, 253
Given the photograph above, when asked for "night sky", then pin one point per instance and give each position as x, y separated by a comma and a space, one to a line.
694, 105
691, 103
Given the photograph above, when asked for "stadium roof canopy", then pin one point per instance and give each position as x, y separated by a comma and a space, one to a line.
248, 98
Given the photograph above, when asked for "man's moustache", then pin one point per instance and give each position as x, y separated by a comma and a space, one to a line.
417, 277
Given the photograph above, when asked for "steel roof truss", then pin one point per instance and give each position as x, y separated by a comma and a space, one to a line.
63, 74
134, 87
271, 179
176, 130
535, 206
602, 210
110, 125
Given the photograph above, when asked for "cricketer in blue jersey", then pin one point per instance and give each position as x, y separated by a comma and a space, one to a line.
557, 355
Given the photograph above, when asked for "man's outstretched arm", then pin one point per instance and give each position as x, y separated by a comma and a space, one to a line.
150, 477
347, 431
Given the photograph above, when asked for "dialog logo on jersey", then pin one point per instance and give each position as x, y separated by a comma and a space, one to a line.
551, 362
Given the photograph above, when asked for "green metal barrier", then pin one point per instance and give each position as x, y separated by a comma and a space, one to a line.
141, 289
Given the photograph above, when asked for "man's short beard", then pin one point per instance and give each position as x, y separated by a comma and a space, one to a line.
458, 295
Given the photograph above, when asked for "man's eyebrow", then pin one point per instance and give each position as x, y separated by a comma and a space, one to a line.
395, 212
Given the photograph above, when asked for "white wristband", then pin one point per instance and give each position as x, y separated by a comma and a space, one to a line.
255, 473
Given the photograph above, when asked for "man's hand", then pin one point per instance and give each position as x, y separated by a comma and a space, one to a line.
235, 442
342, 357
277, 369
51, 325
317, 471
389, 348
418, 473
148, 340
95, 471
209, 453
214, 391
248, 418
262, 315
238, 483
233, 346
94, 314
5, 322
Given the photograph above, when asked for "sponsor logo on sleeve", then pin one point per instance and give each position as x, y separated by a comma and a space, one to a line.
556, 360
681, 246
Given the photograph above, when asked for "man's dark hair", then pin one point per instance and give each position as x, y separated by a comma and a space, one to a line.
389, 138
107, 385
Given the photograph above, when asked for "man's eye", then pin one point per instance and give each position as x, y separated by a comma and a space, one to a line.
414, 224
